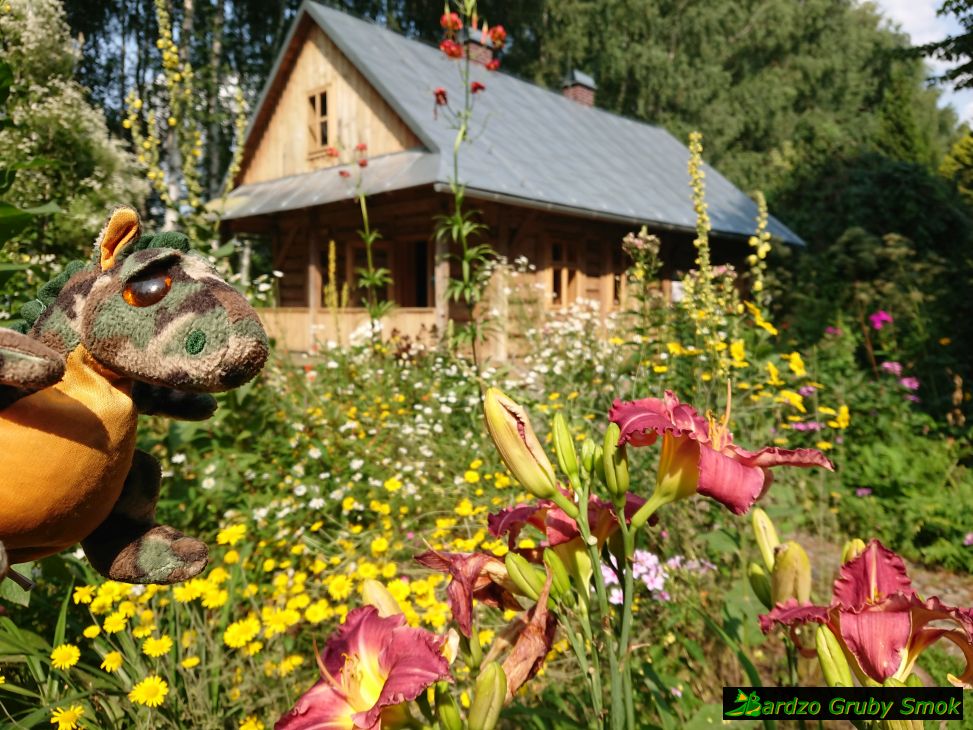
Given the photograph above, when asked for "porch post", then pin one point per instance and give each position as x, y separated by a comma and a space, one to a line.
441, 279
314, 283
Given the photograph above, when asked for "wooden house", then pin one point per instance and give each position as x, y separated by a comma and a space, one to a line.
557, 180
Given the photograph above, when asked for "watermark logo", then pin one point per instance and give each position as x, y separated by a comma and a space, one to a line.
843, 703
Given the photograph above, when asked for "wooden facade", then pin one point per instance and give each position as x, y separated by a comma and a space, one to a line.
319, 99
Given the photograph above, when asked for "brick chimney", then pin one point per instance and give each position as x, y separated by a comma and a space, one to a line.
579, 87
477, 51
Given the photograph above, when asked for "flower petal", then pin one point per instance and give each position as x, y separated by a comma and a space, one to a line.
877, 635
773, 456
363, 634
641, 421
792, 613
533, 644
320, 708
414, 660
734, 485
876, 573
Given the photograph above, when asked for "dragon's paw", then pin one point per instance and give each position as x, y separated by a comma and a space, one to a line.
162, 555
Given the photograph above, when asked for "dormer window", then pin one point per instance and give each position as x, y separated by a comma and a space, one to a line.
318, 120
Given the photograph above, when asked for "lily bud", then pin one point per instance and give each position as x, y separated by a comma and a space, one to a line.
791, 577
760, 583
899, 724
766, 535
852, 549
599, 463
488, 698
588, 456
375, 594
615, 460
446, 709
517, 444
567, 457
560, 580
834, 665
528, 579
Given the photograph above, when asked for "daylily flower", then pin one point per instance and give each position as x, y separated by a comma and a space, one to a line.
451, 22
498, 36
493, 64
369, 665
510, 429
698, 454
557, 526
476, 87
474, 575
880, 622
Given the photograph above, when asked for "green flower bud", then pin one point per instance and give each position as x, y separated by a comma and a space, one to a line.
760, 583
899, 724
766, 535
615, 459
588, 456
560, 580
488, 697
446, 708
599, 463
519, 448
834, 665
528, 579
852, 549
567, 457
791, 577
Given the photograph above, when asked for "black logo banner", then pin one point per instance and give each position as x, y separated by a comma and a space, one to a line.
843, 703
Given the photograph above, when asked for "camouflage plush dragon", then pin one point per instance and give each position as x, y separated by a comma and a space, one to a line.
148, 327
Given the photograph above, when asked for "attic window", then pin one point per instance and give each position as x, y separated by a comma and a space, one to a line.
318, 119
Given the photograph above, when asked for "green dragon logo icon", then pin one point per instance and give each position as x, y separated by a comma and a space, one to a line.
747, 705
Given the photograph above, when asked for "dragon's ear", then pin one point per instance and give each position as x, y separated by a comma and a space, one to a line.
122, 229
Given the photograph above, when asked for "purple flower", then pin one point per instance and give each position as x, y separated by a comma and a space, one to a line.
892, 367
862, 492
806, 390
968, 540
879, 319
909, 383
833, 331
913, 398
807, 426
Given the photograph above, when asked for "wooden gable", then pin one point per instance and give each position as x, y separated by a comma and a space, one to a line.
286, 135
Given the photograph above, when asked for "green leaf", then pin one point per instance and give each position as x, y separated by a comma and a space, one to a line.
227, 249
10, 591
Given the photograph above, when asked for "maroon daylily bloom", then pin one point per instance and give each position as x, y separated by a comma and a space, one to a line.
440, 94
451, 48
698, 454
557, 526
493, 64
369, 665
451, 22
474, 575
476, 87
498, 36
880, 621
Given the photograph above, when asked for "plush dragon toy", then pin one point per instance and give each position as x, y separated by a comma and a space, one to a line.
148, 327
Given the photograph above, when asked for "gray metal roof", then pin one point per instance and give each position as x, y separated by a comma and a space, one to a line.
531, 146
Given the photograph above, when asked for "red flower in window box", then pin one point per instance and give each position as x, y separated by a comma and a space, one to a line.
493, 64
331, 151
344, 173
440, 94
363, 162
476, 87
498, 36
451, 48
361, 147
451, 22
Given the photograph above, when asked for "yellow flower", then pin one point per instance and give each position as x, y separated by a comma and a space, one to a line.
150, 692
277, 621
156, 647
796, 364
738, 351
824, 445
471, 476
231, 535
290, 664
3, 680
842, 419
189, 662
250, 722
774, 374
84, 594
218, 576
268, 565
392, 484
67, 719
92, 631
339, 587
464, 508
114, 623
65, 656
254, 647
316, 612
379, 546
239, 633
215, 599
112, 661
792, 398
232, 557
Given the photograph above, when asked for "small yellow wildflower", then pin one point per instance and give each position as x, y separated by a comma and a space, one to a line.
231, 535
796, 364
65, 656
239, 633
114, 623
393, 484
250, 722
339, 587
232, 557
92, 631
254, 647
156, 647
290, 664
84, 594
112, 661
189, 662
67, 719
379, 546
150, 692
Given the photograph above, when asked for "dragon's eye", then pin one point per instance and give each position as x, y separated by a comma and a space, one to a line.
147, 290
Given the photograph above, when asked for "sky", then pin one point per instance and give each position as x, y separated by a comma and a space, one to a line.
918, 18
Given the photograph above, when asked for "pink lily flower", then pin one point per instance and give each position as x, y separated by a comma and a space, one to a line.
370, 665
698, 454
880, 622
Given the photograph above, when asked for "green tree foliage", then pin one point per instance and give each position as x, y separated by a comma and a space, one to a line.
957, 165
72, 159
